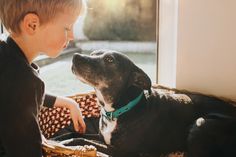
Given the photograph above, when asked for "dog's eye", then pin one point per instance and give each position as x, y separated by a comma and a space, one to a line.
108, 59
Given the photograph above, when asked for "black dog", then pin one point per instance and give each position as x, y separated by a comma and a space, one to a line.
154, 123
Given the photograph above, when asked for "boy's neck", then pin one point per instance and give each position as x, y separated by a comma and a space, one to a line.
26, 47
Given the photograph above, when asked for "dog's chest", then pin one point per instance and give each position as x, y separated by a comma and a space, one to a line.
106, 128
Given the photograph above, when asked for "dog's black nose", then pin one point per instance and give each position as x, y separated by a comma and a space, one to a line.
75, 61
76, 58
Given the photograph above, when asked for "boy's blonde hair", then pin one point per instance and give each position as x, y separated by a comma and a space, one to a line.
12, 12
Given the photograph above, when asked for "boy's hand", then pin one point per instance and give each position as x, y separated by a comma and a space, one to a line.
77, 118
75, 113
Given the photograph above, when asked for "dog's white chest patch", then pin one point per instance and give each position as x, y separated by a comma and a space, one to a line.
107, 129
106, 126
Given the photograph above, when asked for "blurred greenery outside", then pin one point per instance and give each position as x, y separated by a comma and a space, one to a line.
132, 20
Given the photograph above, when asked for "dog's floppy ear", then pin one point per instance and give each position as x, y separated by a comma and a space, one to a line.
140, 79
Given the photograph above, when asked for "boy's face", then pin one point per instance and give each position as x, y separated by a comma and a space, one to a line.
54, 36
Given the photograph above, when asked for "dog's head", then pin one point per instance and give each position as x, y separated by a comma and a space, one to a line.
110, 73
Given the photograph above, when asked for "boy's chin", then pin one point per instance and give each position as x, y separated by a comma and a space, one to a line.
53, 54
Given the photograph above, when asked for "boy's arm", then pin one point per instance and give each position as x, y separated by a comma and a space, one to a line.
75, 113
49, 100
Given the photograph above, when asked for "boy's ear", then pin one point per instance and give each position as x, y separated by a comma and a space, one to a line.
30, 23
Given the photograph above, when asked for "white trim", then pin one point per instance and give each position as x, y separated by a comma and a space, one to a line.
167, 55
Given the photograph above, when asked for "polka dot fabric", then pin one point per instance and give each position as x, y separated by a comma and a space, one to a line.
51, 120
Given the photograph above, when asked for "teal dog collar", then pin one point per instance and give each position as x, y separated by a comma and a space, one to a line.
120, 111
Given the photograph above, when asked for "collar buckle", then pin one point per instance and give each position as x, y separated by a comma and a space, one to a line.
109, 115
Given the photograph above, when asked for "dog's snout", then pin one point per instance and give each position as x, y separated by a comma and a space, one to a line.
75, 61
76, 57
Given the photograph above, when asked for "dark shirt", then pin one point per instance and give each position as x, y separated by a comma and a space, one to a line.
21, 95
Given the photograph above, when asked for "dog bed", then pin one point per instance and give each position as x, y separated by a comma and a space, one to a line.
51, 120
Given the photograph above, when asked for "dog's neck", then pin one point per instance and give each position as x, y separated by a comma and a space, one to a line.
109, 122
132, 94
101, 100
128, 95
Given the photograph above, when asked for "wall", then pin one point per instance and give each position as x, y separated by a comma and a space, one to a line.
205, 47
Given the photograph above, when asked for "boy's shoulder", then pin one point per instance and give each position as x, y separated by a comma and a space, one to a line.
11, 60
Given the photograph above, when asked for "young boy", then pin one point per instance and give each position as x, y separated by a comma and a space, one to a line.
35, 27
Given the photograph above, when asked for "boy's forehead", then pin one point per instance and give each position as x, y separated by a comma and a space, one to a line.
67, 17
